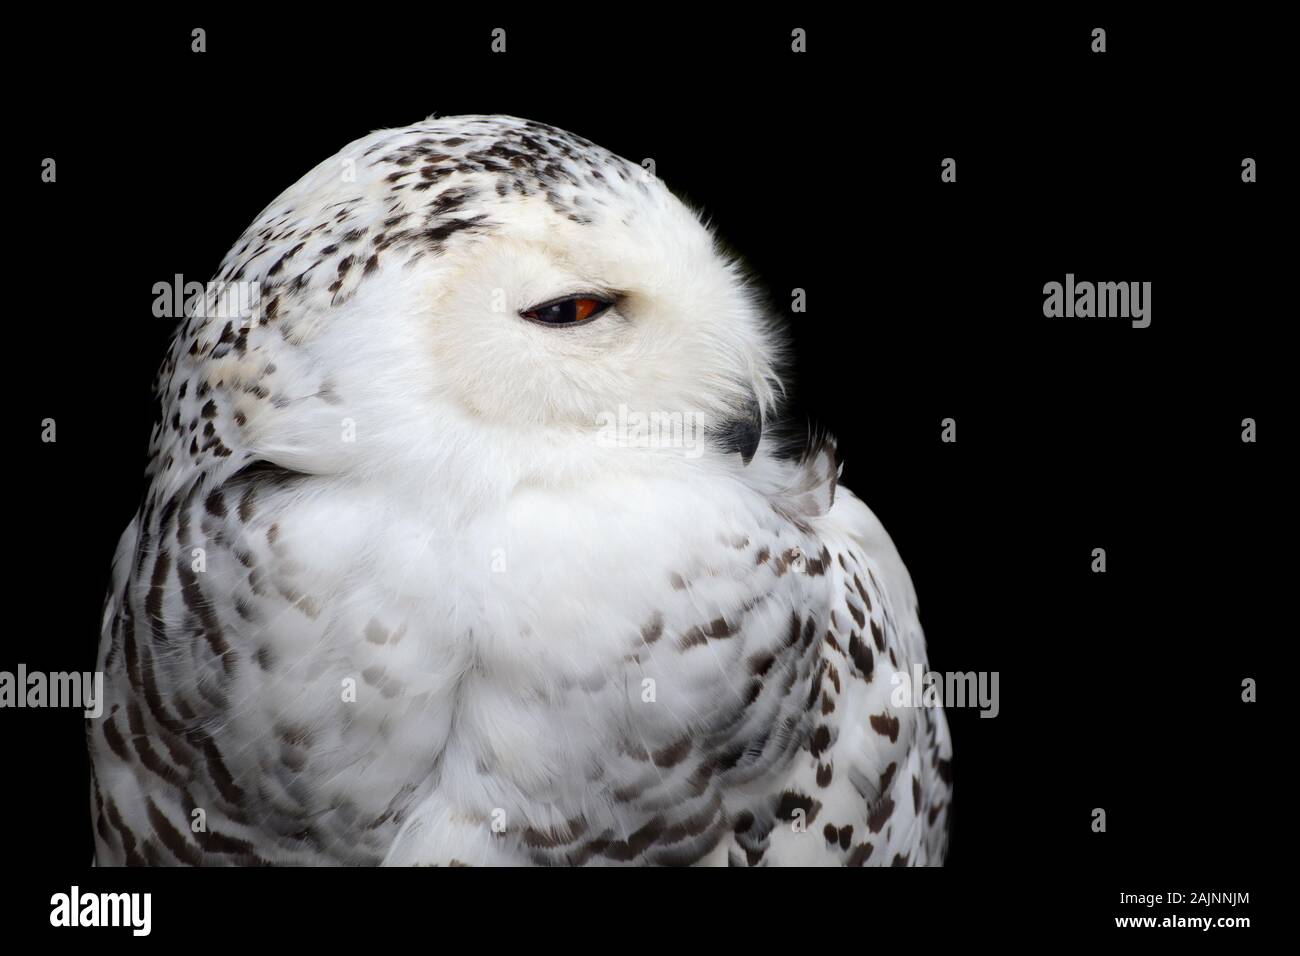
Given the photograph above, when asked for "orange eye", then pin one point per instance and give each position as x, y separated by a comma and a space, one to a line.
570, 311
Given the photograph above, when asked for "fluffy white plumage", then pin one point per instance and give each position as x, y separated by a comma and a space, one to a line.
564, 648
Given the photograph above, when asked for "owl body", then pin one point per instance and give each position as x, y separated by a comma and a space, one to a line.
412, 584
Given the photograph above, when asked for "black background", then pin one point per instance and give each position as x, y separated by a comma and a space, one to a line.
924, 301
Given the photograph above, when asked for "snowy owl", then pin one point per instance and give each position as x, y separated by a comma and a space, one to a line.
463, 545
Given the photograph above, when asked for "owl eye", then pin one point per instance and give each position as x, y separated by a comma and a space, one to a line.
572, 310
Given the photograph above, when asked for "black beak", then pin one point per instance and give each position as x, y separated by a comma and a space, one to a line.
742, 432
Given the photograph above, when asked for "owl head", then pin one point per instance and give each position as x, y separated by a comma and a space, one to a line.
474, 298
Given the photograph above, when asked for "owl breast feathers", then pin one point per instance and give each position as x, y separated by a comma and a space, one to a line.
464, 544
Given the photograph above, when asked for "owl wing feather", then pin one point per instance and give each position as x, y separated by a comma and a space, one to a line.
874, 778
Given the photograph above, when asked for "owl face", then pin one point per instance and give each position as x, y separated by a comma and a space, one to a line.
548, 323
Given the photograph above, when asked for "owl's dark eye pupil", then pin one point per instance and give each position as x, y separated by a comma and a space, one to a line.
570, 311
560, 312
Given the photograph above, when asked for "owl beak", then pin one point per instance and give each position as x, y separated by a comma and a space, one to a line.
743, 432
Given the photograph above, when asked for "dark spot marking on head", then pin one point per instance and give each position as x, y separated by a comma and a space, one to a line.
440, 233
